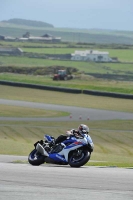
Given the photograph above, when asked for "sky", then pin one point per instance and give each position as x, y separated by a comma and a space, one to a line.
82, 14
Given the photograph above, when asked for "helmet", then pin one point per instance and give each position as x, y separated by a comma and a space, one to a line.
83, 128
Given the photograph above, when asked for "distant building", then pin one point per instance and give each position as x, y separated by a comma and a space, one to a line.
54, 39
91, 55
10, 51
2, 37
28, 37
7, 38
34, 39
48, 38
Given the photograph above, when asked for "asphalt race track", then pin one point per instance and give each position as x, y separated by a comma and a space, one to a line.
76, 113
53, 182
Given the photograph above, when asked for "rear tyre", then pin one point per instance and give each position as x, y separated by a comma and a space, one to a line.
35, 158
79, 158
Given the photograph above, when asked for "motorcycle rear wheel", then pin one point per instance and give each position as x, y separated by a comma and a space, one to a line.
76, 160
36, 158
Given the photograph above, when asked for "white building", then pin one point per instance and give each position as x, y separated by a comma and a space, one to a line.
91, 55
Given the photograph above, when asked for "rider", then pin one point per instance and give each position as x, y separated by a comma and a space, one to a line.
82, 129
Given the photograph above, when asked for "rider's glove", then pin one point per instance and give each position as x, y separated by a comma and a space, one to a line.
73, 131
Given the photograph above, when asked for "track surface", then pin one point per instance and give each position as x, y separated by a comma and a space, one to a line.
23, 181
77, 113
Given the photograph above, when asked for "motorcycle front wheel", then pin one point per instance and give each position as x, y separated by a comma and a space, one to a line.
35, 158
78, 158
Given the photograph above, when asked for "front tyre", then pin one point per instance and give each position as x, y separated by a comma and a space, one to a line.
35, 158
79, 158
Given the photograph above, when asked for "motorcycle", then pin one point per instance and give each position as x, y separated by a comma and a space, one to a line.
74, 151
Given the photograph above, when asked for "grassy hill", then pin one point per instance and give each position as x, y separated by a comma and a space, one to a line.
28, 23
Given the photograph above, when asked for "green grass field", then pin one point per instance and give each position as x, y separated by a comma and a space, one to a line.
112, 147
123, 55
87, 67
90, 83
16, 111
81, 100
112, 139
82, 82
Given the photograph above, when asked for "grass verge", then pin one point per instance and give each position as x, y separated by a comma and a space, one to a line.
113, 141
51, 97
17, 111
83, 82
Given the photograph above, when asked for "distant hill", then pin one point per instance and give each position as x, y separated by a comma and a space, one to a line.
25, 22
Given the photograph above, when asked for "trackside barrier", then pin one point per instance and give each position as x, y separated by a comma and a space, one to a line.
68, 90
41, 87
108, 94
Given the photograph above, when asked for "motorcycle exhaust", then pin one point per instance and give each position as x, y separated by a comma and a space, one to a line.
41, 150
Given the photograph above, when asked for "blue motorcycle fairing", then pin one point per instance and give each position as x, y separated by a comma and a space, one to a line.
89, 139
76, 143
71, 140
49, 138
57, 157
71, 144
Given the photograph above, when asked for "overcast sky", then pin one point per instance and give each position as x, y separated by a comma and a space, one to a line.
88, 14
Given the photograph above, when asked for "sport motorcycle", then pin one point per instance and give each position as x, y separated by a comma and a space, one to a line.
74, 151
